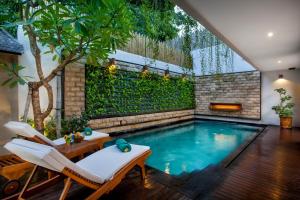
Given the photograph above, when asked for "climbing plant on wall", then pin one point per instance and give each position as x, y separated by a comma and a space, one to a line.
128, 93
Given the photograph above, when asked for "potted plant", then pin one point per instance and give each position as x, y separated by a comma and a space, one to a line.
285, 108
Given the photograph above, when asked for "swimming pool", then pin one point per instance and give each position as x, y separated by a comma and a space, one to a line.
192, 146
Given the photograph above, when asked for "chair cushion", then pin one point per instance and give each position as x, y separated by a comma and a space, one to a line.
45, 156
108, 161
32, 152
25, 130
98, 167
96, 135
59, 141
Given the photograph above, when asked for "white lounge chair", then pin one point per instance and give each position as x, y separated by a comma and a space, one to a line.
25, 130
101, 171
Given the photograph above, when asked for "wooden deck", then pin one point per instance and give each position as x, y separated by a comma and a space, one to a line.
268, 169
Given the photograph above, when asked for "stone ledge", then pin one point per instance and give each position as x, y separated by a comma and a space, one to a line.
132, 122
145, 125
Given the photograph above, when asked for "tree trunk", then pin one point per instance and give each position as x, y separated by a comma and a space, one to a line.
40, 116
38, 120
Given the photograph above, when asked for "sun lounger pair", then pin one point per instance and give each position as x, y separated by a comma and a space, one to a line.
101, 171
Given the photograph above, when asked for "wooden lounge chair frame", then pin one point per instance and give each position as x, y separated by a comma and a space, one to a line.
41, 141
100, 189
12, 168
38, 139
100, 141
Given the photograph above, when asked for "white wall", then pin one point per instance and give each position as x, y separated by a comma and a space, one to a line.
239, 64
270, 81
27, 60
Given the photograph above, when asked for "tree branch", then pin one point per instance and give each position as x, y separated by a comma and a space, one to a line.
33, 45
59, 68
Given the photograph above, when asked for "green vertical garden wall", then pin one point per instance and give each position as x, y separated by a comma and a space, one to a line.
124, 93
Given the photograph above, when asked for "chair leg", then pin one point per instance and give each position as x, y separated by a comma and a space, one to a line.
98, 193
66, 189
28, 182
142, 170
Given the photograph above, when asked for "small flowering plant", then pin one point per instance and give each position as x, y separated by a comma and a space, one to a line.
73, 138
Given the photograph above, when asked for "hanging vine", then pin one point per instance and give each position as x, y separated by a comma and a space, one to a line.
215, 56
162, 21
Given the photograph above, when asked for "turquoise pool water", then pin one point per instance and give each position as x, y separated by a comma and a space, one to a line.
192, 146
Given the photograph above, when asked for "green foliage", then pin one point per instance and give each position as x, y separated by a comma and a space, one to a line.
50, 128
158, 20
9, 13
75, 123
13, 77
29, 121
155, 19
285, 107
80, 28
188, 26
91, 28
127, 93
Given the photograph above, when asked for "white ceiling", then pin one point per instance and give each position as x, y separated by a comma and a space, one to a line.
244, 25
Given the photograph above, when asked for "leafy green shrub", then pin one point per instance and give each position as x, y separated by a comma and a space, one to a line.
75, 123
50, 128
29, 121
128, 93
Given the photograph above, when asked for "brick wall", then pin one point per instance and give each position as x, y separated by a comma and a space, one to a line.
229, 88
74, 96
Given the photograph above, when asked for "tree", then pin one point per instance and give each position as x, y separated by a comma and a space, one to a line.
72, 30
